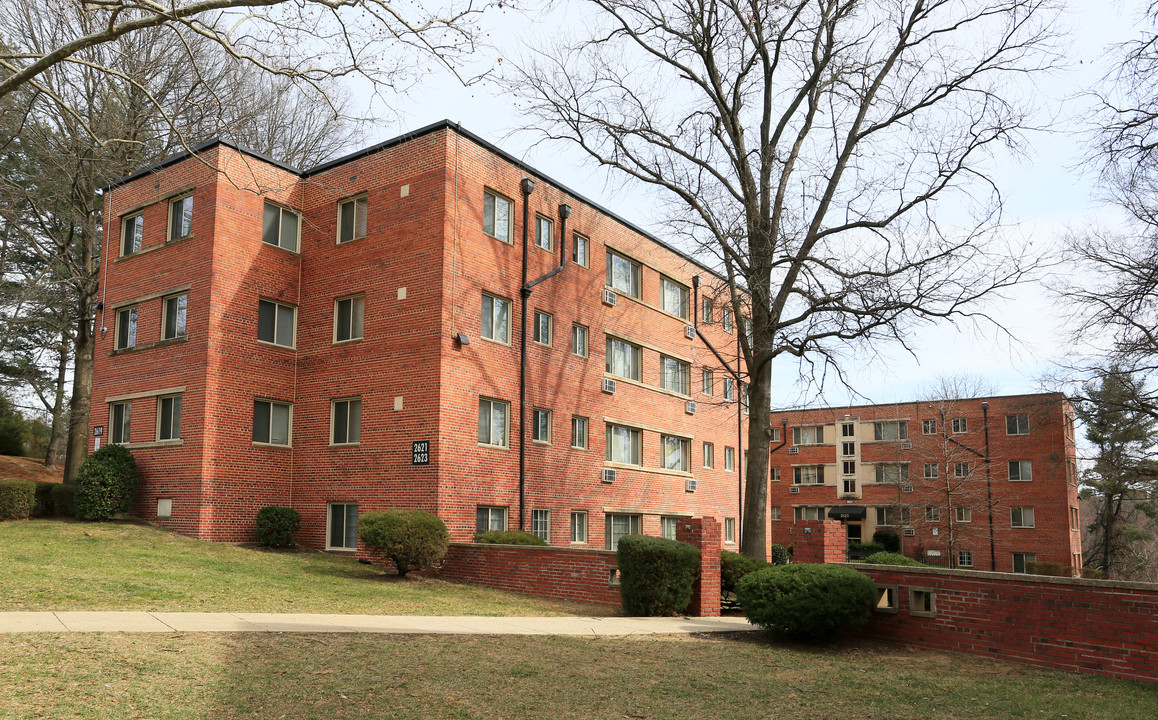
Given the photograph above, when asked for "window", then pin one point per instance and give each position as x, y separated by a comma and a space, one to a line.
893, 516
847, 449
271, 422
892, 430
541, 524
579, 340
346, 421
496, 318
492, 422
729, 459
490, 518
849, 467
343, 532
1021, 517
886, 599
543, 327
677, 453
541, 426
497, 216
922, 602
349, 315
931, 470
280, 227
849, 486
1075, 519
708, 381
807, 513
667, 527
808, 475
169, 417
675, 376
181, 217
928, 427
623, 275
964, 558
1020, 471
964, 515
812, 435
544, 233
578, 526
1017, 424
729, 389
774, 512
896, 474
707, 310
624, 445
119, 422
674, 297
775, 474
624, 359
1021, 561
581, 254
275, 323
352, 219
579, 432
619, 525
745, 399
730, 531
961, 469
932, 514
126, 328
727, 319
173, 316
960, 425
132, 231
709, 455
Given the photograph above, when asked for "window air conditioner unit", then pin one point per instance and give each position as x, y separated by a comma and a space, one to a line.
609, 297
906, 488
793, 450
794, 490
690, 407
910, 532
906, 444
609, 386
608, 475
692, 484
689, 332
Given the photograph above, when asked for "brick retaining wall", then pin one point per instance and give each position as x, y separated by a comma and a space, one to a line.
579, 575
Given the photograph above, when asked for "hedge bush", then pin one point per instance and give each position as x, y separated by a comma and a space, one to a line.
806, 602
734, 566
412, 539
859, 549
44, 506
508, 537
888, 558
17, 498
1044, 567
656, 576
780, 555
888, 539
105, 483
63, 500
276, 526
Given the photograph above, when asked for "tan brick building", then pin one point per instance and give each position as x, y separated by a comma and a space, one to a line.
984, 483
347, 338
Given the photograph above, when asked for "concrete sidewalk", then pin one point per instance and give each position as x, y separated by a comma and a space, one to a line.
169, 622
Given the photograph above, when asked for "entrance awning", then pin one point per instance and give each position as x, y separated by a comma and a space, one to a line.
848, 512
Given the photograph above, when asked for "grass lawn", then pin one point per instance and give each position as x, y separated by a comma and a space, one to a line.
378, 676
55, 565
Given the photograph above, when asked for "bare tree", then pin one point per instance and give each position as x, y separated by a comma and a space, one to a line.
828, 155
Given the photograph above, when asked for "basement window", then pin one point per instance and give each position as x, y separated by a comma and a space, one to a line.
922, 602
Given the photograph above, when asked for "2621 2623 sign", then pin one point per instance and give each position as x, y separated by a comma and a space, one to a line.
420, 452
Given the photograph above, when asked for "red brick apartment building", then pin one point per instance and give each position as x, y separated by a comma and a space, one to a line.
983, 483
347, 338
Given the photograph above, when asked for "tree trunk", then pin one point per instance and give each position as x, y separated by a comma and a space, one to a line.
59, 432
84, 345
753, 540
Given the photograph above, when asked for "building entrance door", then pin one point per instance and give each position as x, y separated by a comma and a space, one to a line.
854, 532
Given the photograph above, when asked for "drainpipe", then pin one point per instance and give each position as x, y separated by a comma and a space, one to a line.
989, 487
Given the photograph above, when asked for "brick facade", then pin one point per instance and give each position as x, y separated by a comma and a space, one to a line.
921, 469
419, 274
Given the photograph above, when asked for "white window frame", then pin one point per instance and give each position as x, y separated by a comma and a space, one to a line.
1018, 427
579, 432
962, 470
707, 310
580, 340
1024, 471
931, 471
497, 302
808, 435
677, 304
634, 355
932, 513
578, 527
964, 514
279, 227
541, 524
727, 321
630, 524
774, 474
353, 410
541, 426
634, 436
180, 302
964, 558
730, 531
269, 410
729, 459
496, 518
544, 328
1025, 558
173, 431
960, 425
544, 233
667, 527
677, 453
492, 201
709, 455
928, 427
675, 375
177, 223
729, 389
277, 311
775, 513
808, 475
801, 513
344, 508
136, 232
891, 430
127, 325
357, 318
359, 204
707, 380
634, 286
120, 432
489, 404
581, 257
1022, 517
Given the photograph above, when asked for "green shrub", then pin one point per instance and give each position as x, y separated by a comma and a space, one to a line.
508, 537
1093, 573
276, 526
656, 576
412, 539
63, 500
17, 498
1043, 567
105, 483
780, 555
888, 558
806, 602
888, 539
44, 506
734, 566
13, 435
859, 549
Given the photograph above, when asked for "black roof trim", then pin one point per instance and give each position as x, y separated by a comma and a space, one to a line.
185, 154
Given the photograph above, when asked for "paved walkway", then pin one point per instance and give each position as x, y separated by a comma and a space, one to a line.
162, 622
